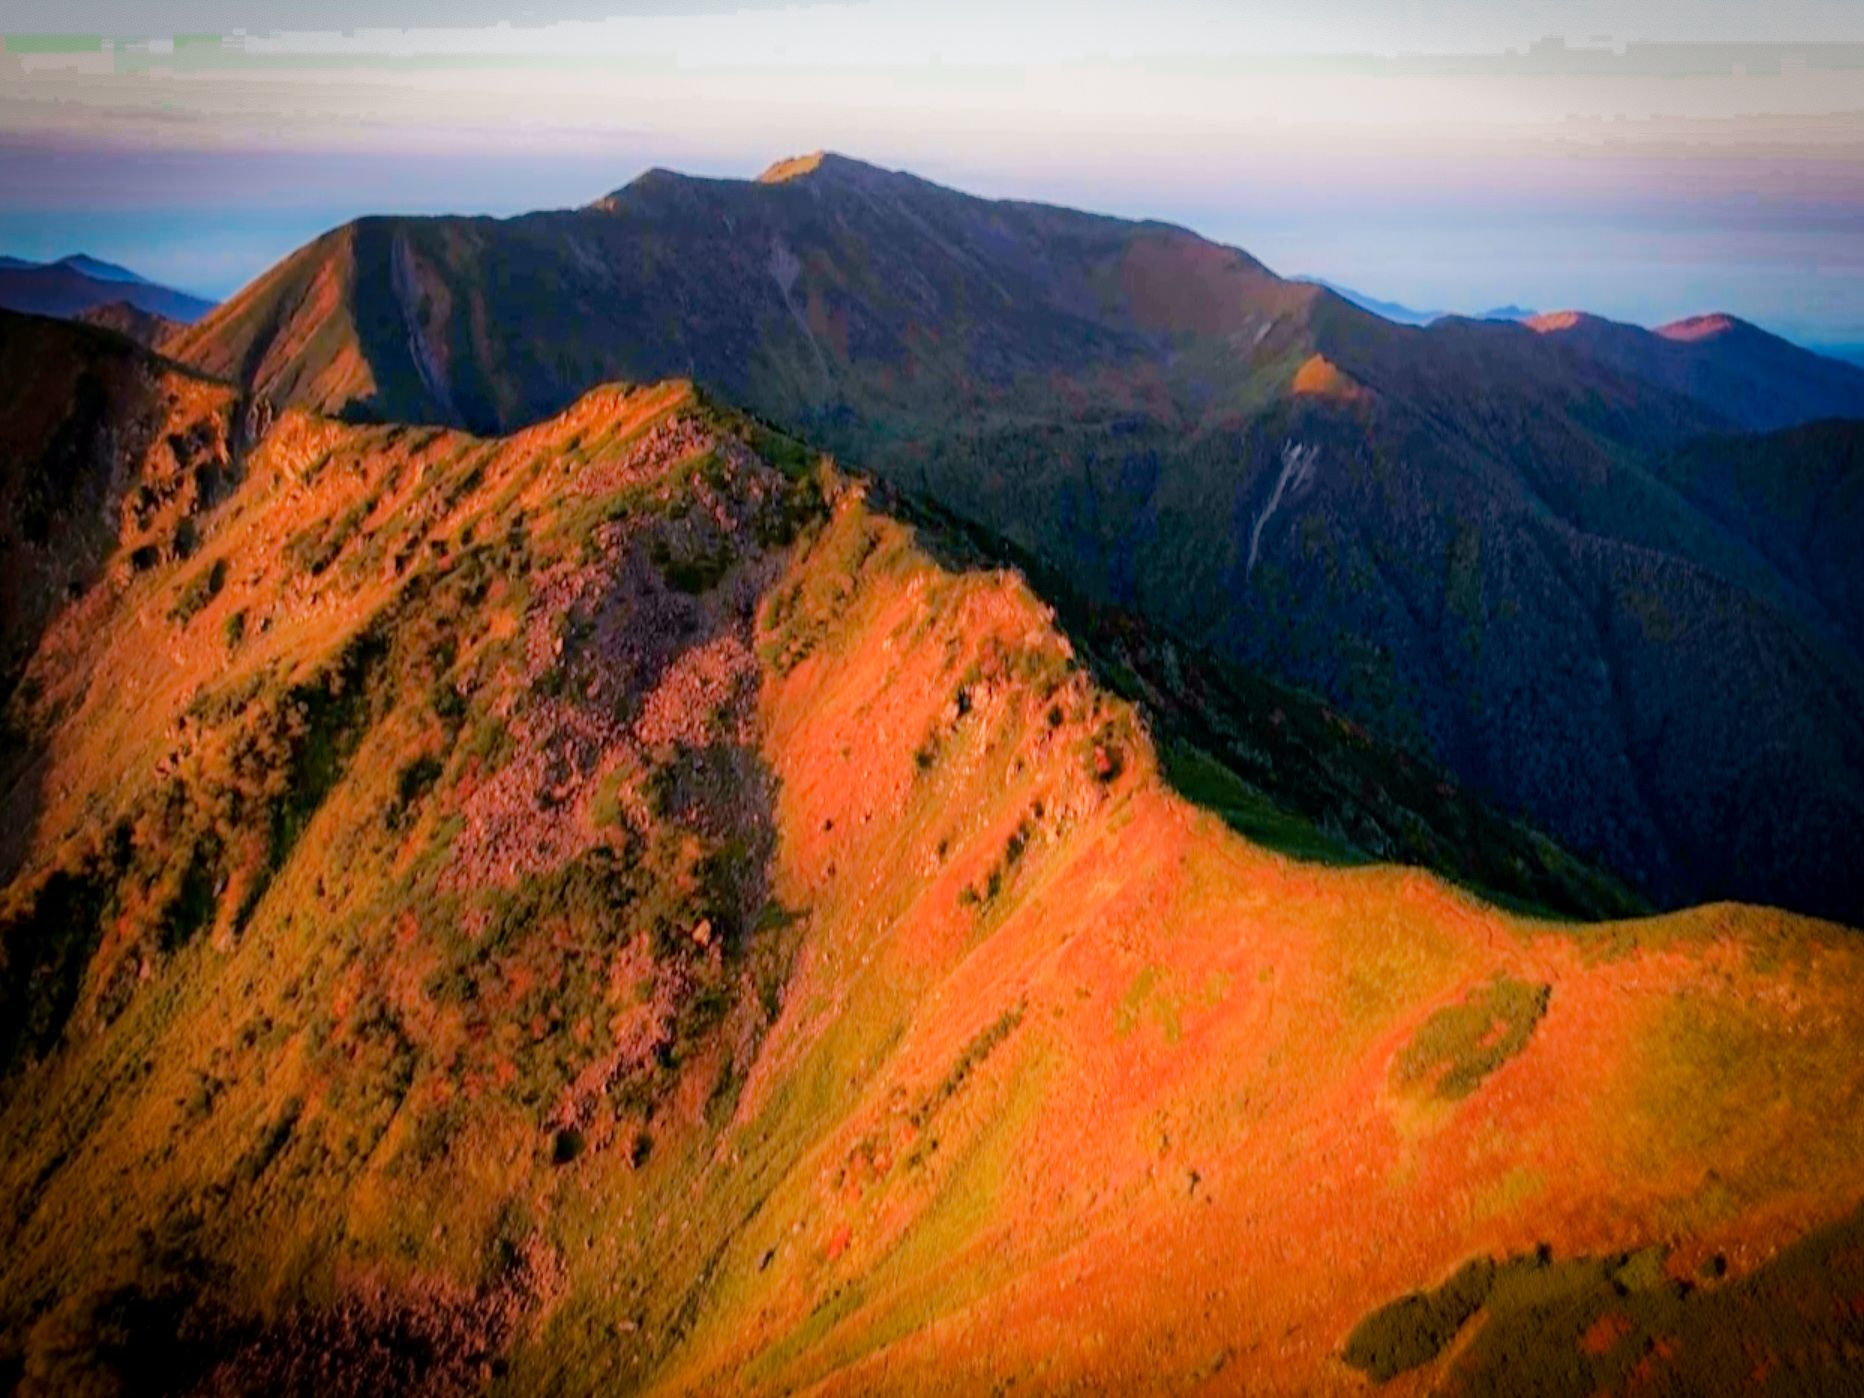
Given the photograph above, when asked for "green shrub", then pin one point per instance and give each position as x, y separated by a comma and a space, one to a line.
412, 783
192, 907
327, 716
48, 947
201, 589
694, 570
568, 1146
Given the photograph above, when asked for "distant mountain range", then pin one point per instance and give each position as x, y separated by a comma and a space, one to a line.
1466, 535
79, 283
1407, 315
146, 328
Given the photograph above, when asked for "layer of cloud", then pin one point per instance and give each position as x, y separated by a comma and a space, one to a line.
1267, 25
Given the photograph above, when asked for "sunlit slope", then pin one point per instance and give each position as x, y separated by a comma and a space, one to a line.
293, 334
384, 846
1103, 1095
604, 908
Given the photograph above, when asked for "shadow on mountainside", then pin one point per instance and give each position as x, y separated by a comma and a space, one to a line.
108, 459
1627, 1322
1283, 768
107, 455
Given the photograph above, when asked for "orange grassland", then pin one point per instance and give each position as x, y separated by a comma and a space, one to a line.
1187, 1166
1062, 1083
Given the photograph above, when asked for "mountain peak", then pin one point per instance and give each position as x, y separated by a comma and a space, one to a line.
820, 164
98, 269
655, 177
1703, 327
793, 167
815, 166
1548, 322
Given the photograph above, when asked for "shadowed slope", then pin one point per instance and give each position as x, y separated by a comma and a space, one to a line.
108, 458
1798, 495
833, 290
103, 449
839, 284
605, 909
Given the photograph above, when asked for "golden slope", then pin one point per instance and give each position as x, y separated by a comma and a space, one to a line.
1142, 1118
715, 962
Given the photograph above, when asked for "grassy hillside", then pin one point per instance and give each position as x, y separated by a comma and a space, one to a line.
607, 908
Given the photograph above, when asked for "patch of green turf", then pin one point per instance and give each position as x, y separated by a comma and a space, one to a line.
1460, 1045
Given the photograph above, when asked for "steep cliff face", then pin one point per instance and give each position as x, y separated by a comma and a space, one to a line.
606, 907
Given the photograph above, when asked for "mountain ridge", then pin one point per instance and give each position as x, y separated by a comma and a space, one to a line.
102, 271
1407, 315
1378, 805
608, 908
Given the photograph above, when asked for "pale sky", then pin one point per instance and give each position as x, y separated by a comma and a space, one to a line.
1660, 157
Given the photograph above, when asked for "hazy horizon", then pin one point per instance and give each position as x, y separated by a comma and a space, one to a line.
1660, 159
